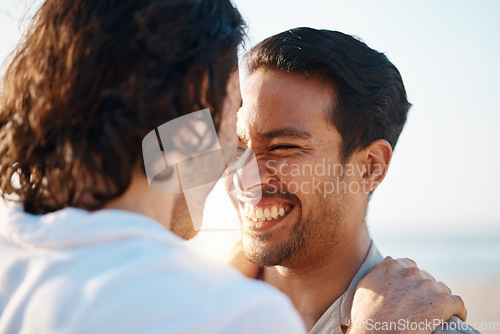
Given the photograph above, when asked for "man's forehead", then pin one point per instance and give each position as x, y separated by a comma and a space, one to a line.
246, 132
277, 104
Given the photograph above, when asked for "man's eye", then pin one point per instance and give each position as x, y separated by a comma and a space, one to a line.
283, 147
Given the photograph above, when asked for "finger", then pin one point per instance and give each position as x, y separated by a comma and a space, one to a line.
459, 307
387, 258
443, 288
407, 262
426, 275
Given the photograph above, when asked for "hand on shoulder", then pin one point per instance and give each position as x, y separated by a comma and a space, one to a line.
397, 291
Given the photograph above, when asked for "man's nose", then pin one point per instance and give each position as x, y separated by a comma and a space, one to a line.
253, 175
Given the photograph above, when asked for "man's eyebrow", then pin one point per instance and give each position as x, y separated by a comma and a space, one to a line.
286, 132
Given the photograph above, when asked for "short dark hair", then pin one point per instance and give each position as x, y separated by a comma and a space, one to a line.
370, 101
92, 77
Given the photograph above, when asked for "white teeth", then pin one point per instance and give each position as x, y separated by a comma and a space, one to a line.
266, 214
282, 212
274, 212
251, 212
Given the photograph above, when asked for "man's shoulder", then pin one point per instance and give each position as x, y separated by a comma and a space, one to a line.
126, 276
175, 291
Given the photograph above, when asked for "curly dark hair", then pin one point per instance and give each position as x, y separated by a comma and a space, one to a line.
369, 95
91, 78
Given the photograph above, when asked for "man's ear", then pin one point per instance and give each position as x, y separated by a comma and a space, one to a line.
377, 159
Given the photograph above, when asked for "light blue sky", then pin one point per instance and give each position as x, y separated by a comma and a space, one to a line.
445, 169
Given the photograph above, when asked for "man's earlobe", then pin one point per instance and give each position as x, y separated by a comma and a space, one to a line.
378, 158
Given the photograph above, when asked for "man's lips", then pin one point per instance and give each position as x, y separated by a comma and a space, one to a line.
268, 212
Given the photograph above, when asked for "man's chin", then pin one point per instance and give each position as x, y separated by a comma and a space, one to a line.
263, 251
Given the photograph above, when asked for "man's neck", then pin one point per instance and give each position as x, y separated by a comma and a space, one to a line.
314, 287
139, 198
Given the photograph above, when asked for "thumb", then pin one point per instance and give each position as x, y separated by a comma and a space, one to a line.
459, 307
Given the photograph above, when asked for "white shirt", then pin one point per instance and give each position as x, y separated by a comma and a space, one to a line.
114, 271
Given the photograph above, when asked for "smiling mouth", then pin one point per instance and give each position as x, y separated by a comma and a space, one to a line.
266, 213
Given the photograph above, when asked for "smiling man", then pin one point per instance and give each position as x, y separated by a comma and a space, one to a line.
322, 112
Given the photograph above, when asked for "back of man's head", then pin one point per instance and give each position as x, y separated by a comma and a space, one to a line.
369, 96
92, 78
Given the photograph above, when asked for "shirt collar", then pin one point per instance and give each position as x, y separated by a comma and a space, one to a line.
337, 316
372, 258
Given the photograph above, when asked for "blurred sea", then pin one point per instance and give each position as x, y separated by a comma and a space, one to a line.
456, 256
467, 261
